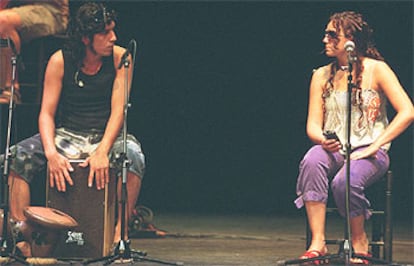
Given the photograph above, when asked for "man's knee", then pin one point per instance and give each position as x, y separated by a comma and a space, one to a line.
15, 178
134, 180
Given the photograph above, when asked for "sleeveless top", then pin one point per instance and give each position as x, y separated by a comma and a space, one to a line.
85, 101
368, 119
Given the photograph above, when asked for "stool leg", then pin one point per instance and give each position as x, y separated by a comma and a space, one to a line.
388, 219
376, 235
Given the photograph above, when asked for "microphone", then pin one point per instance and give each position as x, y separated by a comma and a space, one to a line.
129, 50
349, 48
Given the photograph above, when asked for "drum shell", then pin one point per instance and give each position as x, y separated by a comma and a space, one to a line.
93, 209
43, 228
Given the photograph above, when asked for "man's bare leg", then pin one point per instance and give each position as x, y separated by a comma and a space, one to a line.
19, 199
133, 188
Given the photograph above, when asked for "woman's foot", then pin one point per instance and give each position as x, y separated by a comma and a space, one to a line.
316, 249
357, 260
318, 245
360, 244
360, 248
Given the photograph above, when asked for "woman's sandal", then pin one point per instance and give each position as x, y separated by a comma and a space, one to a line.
310, 254
359, 261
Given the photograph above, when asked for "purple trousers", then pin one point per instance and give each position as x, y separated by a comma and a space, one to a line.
320, 167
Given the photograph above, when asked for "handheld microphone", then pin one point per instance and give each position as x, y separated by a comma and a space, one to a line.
128, 51
349, 48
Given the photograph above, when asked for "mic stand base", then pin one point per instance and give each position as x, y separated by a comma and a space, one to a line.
123, 254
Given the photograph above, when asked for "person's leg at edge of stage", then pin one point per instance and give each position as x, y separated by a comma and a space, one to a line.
9, 22
19, 25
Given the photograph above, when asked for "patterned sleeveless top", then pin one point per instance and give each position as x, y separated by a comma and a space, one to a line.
368, 120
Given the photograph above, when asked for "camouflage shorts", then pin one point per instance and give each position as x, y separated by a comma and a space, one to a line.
28, 158
40, 20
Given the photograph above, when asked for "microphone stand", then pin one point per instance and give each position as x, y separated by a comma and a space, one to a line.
347, 245
345, 251
123, 251
6, 250
348, 240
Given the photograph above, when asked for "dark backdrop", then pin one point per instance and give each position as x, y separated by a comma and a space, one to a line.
219, 97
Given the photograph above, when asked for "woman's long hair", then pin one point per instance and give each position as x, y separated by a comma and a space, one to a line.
358, 30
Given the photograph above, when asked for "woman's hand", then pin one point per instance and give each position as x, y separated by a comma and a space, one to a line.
370, 151
331, 145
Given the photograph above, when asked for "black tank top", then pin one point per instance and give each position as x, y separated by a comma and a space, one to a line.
85, 102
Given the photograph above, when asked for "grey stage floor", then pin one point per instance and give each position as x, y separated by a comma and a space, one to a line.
195, 239
249, 240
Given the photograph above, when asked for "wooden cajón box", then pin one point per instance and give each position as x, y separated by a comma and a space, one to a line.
93, 209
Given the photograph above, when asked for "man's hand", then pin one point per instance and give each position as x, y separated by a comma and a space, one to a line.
59, 168
98, 169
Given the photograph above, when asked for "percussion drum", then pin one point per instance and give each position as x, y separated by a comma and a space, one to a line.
93, 209
44, 228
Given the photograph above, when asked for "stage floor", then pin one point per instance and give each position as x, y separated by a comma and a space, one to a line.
195, 239
249, 240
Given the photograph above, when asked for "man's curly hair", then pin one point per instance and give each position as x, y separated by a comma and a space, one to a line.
91, 18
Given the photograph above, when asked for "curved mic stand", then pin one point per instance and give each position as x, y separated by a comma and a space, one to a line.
123, 252
6, 250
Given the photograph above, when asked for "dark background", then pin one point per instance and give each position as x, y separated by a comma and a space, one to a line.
220, 93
